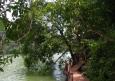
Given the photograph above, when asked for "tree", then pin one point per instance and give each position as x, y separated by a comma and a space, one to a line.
87, 24
78, 26
30, 30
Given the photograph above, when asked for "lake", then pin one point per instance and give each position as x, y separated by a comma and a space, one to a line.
16, 71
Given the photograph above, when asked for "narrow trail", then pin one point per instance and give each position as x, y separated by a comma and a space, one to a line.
73, 72
77, 76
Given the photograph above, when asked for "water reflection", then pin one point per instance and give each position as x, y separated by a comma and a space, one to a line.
17, 72
14, 72
58, 73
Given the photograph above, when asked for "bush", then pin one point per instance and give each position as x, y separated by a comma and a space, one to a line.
101, 64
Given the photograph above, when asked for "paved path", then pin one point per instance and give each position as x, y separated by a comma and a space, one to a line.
74, 74
77, 76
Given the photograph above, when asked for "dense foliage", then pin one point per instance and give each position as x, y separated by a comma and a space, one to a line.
82, 27
101, 65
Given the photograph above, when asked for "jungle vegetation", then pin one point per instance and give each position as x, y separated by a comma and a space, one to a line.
85, 27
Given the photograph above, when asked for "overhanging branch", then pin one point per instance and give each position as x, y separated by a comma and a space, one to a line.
30, 27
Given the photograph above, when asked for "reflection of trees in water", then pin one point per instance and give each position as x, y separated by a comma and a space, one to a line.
58, 73
14, 72
58, 65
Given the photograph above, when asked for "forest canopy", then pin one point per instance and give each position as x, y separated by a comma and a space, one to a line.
84, 27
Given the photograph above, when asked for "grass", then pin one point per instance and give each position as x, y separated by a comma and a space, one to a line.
39, 78
36, 77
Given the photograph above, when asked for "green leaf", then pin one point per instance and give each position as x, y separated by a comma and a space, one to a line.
11, 60
1, 69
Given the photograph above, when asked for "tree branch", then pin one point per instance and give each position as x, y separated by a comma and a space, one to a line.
30, 27
61, 56
101, 35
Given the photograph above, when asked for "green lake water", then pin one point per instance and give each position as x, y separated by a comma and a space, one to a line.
17, 72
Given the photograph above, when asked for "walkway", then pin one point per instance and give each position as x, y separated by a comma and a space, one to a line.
77, 76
